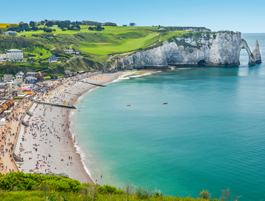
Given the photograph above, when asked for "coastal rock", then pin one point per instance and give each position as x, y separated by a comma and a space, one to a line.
201, 49
256, 53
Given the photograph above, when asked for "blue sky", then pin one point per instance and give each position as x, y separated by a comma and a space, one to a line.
246, 16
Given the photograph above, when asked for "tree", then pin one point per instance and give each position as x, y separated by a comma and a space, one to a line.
35, 28
99, 28
47, 30
57, 52
204, 194
132, 24
49, 24
32, 24
110, 24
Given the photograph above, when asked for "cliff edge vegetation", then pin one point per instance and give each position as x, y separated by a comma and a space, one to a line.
25, 187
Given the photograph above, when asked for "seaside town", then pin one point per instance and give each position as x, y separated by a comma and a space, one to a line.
35, 120
126, 100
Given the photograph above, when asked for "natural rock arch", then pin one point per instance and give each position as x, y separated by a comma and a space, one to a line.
244, 45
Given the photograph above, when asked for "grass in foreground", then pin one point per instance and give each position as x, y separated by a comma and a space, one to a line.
21, 186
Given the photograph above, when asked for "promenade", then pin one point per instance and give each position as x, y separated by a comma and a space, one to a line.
9, 134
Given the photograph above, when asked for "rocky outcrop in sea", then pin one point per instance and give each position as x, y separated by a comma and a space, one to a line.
256, 53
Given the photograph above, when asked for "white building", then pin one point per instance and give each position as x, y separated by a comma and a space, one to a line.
30, 80
10, 33
14, 55
8, 78
2, 57
69, 52
19, 77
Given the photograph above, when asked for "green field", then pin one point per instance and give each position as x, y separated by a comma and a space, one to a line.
111, 40
97, 47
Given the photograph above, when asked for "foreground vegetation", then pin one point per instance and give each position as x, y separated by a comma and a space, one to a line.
21, 186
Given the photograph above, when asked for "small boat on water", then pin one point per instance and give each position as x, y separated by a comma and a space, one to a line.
128, 105
165, 103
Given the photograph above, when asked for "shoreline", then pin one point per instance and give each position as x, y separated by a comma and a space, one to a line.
124, 75
79, 171
76, 103
76, 169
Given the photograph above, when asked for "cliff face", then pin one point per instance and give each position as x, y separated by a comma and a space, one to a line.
220, 49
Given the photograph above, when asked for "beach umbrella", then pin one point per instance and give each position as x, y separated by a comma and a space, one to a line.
65, 103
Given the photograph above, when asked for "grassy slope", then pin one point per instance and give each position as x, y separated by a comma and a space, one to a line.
126, 45
101, 43
97, 45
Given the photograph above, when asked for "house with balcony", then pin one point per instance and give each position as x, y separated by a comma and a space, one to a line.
19, 77
37, 75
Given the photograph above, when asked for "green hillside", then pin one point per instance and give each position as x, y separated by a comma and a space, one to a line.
97, 44
98, 47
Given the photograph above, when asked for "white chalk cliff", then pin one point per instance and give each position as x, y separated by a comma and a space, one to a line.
207, 49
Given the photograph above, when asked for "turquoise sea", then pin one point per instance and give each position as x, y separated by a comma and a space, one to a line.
210, 135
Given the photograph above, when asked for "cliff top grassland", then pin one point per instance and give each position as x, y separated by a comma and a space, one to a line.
111, 40
98, 46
